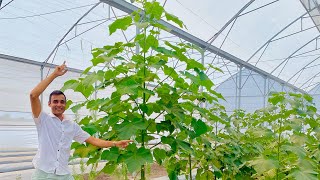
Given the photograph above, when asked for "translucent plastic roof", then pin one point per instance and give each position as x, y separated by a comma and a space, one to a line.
262, 46
277, 36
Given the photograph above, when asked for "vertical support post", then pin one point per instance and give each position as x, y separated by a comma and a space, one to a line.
109, 11
239, 88
41, 78
236, 97
265, 92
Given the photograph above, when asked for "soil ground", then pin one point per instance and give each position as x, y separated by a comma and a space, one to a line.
155, 172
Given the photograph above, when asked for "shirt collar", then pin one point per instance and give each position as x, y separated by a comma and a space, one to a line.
65, 118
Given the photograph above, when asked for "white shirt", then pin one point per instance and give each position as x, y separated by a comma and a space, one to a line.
55, 138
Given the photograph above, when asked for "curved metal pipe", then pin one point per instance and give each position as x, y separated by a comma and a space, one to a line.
278, 34
74, 25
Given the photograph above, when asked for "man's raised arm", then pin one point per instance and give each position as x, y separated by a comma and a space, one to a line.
36, 92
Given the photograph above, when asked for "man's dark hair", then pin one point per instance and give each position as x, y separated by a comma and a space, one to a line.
57, 92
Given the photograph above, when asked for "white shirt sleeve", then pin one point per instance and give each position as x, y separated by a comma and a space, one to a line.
41, 116
80, 135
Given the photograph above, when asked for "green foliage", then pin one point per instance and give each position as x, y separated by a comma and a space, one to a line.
151, 98
279, 138
122, 23
133, 108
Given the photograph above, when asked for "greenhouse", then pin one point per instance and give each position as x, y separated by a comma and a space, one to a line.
171, 89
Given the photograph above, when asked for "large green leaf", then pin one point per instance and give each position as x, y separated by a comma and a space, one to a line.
93, 77
159, 155
165, 51
308, 97
299, 151
144, 108
83, 151
129, 128
184, 145
121, 23
262, 164
101, 59
86, 91
199, 127
193, 78
86, 120
70, 84
171, 72
305, 174
76, 108
135, 159
127, 86
276, 98
109, 167
191, 64
90, 128
204, 80
165, 126
153, 9
93, 160
109, 74
96, 103
150, 41
175, 19
111, 154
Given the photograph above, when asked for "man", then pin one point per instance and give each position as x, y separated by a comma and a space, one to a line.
56, 132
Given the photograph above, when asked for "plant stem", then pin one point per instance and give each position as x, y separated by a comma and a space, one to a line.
190, 170
216, 130
279, 141
143, 176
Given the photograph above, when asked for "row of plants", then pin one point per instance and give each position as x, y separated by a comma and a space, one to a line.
151, 101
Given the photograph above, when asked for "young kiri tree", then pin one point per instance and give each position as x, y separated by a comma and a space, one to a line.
288, 134
150, 100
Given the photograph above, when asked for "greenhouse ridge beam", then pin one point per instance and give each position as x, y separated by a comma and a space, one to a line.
36, 63
129, 8
48, 65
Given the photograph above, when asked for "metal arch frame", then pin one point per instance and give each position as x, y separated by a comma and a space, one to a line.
129, 8
270, 40
1, 7
71, 28
310, 79
306, 8
58, 44
230, 21
317, 86
303, 68
291, 55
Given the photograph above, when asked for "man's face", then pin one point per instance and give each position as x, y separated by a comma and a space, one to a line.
57, 104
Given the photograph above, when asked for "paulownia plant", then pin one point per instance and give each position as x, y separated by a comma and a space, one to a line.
149, 101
